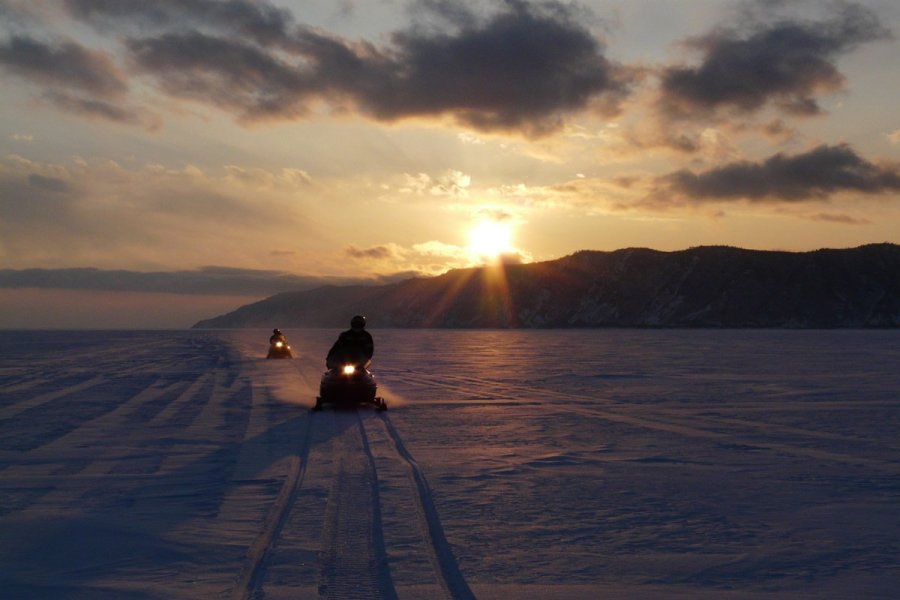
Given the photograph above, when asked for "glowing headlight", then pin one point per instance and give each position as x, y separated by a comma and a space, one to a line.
279, 344
349, 369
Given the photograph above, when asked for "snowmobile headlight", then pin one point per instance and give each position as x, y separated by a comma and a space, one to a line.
279, 344
349, 369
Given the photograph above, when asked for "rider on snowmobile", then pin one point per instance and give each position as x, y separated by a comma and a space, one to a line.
354, 346
277, 336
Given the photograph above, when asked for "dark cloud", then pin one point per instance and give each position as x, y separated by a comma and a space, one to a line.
52, 184
522, 68
34, 198
64, 64
207, 280
231, 75
256, 21
839, 219
375, 252
74, 78
443, 13
110, 111
13, 15
786, 62
814, 175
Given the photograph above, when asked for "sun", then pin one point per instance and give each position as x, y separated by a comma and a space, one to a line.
489, 239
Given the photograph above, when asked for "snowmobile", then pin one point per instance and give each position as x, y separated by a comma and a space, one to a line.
348, 385
279, 349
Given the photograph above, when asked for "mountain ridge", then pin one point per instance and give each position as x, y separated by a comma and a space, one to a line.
703, 286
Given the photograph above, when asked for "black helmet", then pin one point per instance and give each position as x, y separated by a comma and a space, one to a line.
358, 322
276, 331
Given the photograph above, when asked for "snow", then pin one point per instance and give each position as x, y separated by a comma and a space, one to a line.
511, 464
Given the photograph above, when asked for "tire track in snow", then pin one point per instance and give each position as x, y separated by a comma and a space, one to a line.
252, 573
441, 554
89, 436
352, 559
186, 403
11, 411
77, 456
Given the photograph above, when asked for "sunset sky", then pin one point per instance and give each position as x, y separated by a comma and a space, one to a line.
188, 156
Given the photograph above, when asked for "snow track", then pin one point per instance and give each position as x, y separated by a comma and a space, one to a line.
250, 578
353, 563
440, 552
351, 559
323, 533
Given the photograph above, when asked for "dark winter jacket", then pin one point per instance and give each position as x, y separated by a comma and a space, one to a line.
352, 346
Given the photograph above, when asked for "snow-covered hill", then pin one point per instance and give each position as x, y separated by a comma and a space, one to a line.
700, 287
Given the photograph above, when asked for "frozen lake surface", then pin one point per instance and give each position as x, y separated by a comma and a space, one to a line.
511, 464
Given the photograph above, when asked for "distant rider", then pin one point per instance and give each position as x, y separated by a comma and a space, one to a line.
277, 336
354, 346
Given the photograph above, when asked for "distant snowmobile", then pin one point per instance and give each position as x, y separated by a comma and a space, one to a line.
348, 385
278, 346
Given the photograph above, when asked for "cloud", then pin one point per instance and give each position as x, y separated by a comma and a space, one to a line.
15, 14
468, 138
36, 197
92, 107
374, 252
787, 63
102, 214
52, 184
813, 175
425, 258
496, 214
154, 218
232, 75
64, 64
203, 281
840, 219
432, 257
522, 68
286, 178
74, 78
257, 21
449, 183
